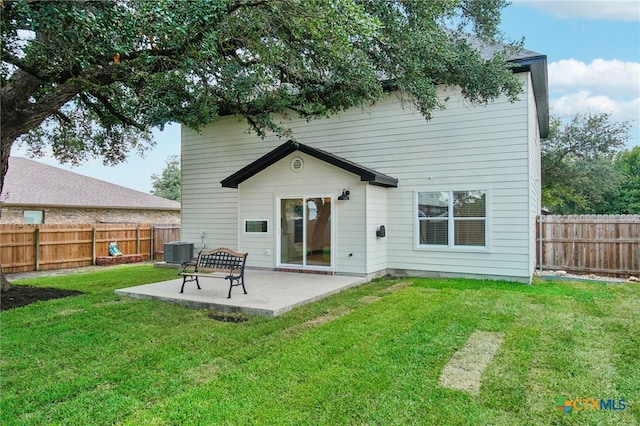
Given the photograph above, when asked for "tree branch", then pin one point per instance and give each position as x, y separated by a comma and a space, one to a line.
62, 117
242, 4
20, 64
108, 105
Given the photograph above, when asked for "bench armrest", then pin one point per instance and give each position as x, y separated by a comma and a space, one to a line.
192, 264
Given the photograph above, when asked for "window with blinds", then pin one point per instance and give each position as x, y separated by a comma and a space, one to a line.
452, 218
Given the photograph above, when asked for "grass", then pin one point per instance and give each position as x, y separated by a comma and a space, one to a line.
370, 355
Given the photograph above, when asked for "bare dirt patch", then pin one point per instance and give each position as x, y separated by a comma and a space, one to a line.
464, 369
67, 312
367, 300
399, 286
209, 372
22, 295
329, 316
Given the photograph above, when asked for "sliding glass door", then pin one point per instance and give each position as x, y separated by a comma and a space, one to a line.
305, 231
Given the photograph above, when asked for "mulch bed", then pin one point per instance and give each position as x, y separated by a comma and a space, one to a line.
22, 295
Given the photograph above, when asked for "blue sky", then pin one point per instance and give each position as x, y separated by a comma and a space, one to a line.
593, 53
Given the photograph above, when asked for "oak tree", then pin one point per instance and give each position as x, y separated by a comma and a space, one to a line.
579, 175
167, 183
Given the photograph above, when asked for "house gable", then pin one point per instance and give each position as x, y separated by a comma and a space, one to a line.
366, 174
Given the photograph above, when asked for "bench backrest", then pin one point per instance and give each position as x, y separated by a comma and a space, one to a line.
221, 259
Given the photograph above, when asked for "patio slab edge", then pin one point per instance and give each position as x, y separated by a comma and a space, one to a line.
200, 304
318, 297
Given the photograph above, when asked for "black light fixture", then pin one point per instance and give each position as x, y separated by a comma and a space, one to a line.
344, 196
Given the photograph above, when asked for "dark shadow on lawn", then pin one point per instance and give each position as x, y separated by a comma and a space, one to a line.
228, 317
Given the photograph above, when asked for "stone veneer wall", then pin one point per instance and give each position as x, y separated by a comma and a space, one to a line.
76, 215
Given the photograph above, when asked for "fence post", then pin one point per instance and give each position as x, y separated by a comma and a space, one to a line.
36, 247
152, 242
93, 245
138, 239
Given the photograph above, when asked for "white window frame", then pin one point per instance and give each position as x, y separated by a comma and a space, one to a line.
244, 227
28, 217
334, 225
451, 223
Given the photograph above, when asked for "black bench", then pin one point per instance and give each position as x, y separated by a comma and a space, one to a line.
218, 263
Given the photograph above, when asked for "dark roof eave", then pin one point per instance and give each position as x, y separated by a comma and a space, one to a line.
385, 181
537, 66
366, 174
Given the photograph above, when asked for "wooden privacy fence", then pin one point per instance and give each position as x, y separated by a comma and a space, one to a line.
40, 247
591, 244
163, 234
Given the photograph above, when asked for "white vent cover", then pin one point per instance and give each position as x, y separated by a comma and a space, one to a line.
297, 164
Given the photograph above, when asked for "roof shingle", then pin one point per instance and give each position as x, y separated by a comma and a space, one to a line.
31, 183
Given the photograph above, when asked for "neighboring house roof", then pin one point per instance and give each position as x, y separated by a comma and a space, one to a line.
30, 183
366, 174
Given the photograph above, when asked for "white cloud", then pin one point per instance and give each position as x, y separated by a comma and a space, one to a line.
585, 101
628, 10
612, 77
601, 86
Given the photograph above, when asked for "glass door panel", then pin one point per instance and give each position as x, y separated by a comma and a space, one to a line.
318, 232
305, 231
291, 231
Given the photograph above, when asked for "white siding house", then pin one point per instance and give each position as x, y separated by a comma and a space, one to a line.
456, 195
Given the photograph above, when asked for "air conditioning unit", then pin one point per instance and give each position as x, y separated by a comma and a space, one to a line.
178, 252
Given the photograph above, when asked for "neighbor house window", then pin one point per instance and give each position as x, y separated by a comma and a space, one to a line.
33, 216
452, 218
256, 226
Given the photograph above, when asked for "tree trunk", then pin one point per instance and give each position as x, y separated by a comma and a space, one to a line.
16, 120
6, 142
15, 116
19, 115
5, 150
4, 283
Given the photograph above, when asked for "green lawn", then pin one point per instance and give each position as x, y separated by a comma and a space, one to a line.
371, 355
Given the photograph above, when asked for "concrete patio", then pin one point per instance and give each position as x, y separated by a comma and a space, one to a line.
270, 293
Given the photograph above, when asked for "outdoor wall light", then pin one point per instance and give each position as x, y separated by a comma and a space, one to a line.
381, 232
344, 196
